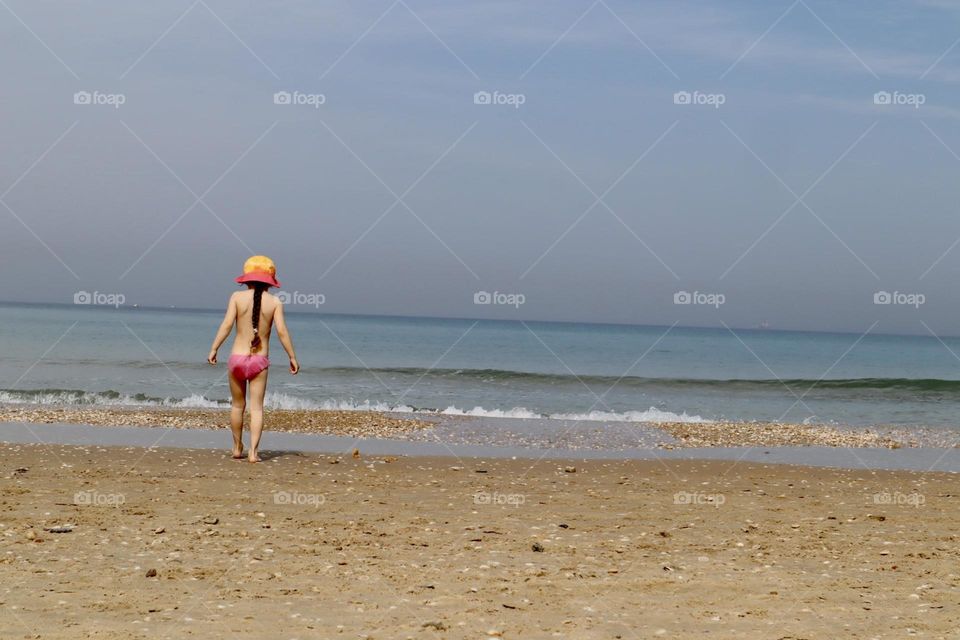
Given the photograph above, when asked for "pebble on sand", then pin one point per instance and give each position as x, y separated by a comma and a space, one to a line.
61, 529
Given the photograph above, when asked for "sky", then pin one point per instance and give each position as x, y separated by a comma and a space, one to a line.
791, 164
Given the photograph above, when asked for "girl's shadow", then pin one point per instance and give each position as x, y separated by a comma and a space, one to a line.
270, 455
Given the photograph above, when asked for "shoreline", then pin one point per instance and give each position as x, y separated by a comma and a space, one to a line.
151, 439
123, 542
458, 442
374, 424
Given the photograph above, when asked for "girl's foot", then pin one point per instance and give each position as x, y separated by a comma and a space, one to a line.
253, 457
237, 452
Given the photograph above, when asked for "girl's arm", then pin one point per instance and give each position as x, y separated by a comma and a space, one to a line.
224, 331
284, 336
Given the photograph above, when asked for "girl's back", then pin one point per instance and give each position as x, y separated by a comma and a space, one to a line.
244, 301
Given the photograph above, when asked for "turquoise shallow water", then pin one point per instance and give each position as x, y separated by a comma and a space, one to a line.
89, 354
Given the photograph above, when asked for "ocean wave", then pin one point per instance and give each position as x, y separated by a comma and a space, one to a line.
508, 377
913, 385
79, 397
274, 400
504, 377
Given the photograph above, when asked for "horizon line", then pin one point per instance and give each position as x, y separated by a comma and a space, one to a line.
758, 329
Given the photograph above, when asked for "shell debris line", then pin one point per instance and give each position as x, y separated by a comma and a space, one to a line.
772, 434
370, 424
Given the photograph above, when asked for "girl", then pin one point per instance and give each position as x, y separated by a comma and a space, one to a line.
254, 312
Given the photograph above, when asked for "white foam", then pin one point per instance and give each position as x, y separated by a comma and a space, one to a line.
285, 401
275, 400
650, 415
516, 412
70, 398
193, 401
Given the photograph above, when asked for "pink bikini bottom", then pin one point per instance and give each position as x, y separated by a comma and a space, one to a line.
247, 367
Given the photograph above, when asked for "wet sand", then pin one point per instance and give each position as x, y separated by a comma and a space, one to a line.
168, 543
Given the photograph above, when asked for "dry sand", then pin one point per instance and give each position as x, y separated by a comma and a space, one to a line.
189, 544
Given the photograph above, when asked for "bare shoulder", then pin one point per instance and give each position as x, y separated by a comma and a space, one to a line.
272, 300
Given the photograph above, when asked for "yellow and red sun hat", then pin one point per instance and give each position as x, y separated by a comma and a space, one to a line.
259, 269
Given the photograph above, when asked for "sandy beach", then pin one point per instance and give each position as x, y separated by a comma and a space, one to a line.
111, 543
565, 321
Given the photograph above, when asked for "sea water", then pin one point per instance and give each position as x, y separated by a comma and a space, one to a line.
84, 354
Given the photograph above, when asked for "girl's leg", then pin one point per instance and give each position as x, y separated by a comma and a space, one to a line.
238, 392
258, 388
